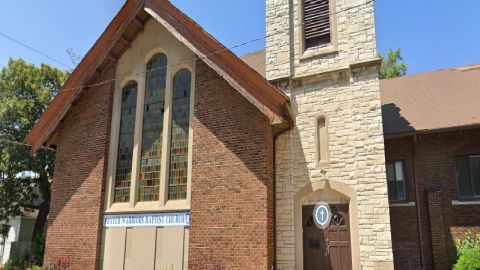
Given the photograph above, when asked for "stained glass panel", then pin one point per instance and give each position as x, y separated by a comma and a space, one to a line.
125, 143
177, 183
153, 110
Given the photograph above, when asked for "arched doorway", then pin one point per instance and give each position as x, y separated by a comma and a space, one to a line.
336, 246
327, 248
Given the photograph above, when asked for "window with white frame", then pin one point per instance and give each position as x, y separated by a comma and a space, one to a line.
397, 191
152, 148
468, 176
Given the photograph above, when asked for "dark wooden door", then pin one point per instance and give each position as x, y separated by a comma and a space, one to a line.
327, 249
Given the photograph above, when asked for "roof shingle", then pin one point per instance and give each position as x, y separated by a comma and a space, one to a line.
430, 101
268, 99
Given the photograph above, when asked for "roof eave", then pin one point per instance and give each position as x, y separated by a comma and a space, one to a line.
61, 105
268, 99
276, 117
430, 131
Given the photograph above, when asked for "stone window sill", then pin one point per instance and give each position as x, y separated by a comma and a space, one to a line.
323, 164
406, 204
317, 52
455, 202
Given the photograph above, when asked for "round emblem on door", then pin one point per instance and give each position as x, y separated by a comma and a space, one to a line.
322, 215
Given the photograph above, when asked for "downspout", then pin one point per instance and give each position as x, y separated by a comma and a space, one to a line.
290, 88
275, 137
274, 203
292, 157
417, 199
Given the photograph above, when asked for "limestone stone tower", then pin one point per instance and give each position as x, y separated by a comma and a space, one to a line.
322, 53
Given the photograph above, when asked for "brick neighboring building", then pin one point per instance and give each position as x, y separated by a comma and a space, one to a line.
429, 161
431, 123
172, 152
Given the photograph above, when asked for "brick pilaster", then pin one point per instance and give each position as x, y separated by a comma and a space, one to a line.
75, 222
439, 233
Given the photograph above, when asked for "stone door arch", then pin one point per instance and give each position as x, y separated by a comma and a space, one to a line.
331, 192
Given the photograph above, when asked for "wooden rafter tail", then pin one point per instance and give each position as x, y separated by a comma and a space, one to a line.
112, 58
138, 23
128, 23
125, 41
51, 141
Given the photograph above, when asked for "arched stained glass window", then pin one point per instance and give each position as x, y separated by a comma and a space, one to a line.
153, 112
177, 183
125, 142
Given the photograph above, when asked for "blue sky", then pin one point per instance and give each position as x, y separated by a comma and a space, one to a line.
433, 34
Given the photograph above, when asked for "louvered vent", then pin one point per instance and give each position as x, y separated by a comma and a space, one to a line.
317, 23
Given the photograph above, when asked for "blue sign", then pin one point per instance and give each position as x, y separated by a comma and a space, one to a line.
147, 220
322, 215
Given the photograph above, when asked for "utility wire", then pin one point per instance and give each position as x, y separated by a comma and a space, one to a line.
34, 50
284, 30
26, 145
182, 62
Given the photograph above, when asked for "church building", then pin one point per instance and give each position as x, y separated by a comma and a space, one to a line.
174, 153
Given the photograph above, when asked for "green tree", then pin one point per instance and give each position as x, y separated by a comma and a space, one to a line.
25, 92
392, 65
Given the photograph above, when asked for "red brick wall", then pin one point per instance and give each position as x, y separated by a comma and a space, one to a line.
75, 221
403, 220
441, 240
232, 181
405, 240
435, 171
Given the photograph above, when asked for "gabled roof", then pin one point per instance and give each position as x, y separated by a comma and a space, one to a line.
421, 103
253, 86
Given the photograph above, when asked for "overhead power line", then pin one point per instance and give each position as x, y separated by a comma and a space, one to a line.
172, 65
34, 50
216, 52
26, 145
185, 61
